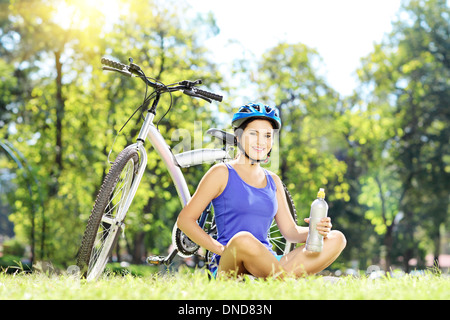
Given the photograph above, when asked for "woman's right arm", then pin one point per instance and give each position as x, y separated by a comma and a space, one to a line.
211, 186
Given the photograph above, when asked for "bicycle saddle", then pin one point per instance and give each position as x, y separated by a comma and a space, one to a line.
226, 137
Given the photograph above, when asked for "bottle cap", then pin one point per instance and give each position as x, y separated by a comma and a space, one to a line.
321, 193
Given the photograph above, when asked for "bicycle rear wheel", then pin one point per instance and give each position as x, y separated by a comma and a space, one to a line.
107, 215
279, 243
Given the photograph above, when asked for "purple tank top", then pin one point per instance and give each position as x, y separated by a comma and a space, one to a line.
242, 207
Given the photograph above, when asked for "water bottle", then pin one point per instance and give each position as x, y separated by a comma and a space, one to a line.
319, 210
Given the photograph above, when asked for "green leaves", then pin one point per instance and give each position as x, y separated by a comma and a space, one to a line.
91, 107
381, 153
404, 76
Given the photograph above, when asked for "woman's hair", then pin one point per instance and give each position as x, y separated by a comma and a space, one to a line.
240, 130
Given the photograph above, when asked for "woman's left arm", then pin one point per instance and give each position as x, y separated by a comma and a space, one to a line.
288, 227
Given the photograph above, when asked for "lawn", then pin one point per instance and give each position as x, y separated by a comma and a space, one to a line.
196, 286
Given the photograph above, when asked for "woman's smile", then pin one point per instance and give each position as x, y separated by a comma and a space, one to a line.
258, 149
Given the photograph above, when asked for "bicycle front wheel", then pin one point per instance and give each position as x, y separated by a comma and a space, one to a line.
107, 215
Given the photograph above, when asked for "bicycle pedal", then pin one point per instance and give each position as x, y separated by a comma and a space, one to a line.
155, 260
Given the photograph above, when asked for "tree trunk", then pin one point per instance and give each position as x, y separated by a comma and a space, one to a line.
139, 247
59, 112
388, 241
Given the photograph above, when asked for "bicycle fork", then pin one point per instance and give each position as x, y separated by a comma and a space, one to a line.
148, 130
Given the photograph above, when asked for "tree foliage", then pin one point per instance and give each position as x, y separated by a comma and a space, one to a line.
382, 153
405, 92
68, 117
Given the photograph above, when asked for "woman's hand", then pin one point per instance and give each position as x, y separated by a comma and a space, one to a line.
324, 226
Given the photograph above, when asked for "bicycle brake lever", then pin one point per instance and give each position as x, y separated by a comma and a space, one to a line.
135, 67
190, 84
127, 73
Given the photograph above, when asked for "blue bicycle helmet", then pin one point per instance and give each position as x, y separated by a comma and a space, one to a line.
257, 111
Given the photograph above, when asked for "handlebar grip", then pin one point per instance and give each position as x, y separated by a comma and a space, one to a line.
209, 95
114, 64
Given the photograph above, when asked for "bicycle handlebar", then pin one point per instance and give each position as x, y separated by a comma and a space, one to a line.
114, 64
188, 87
209, 95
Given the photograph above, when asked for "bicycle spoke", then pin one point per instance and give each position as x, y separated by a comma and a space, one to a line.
119, 190
276, 238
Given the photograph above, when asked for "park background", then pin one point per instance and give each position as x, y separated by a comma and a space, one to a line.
380, 150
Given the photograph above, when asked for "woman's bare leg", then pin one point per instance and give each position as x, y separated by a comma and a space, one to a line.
245, 254
301, 262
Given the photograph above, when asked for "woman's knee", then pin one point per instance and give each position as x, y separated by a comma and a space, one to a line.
338, 238
243, 241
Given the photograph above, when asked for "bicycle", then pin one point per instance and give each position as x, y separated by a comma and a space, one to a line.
120, 184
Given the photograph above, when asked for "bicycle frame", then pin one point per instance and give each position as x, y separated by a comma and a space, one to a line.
99, 239
186, 159
160, 145
148, 130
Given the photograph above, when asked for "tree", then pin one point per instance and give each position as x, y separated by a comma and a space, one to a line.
38, 47
405, 80
169, 50
70, 112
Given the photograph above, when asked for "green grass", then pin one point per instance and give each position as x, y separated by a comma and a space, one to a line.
196, 286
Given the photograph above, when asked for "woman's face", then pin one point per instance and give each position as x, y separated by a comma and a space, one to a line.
257, 139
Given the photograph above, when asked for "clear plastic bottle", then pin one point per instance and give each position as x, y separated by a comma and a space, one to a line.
319, 210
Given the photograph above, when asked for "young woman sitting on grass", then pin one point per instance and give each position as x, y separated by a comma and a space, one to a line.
246, 198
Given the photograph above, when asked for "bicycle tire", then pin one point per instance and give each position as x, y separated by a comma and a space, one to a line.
99, 240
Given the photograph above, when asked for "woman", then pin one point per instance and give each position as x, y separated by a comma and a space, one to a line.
246, 198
